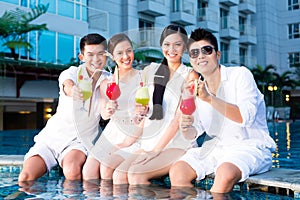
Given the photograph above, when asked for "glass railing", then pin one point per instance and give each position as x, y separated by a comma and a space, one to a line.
205, 14
251, 2
229, 22
247, 30
183, 6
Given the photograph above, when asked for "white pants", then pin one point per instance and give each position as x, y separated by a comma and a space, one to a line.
249, 159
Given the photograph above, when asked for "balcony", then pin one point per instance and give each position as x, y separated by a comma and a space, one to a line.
146, 37
98, 19
208, 19
229, 2
229, 58
229, 28
183, 14
248, 61
154, 8
247, 6
247, 34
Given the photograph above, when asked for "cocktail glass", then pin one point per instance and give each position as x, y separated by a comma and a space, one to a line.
113, 91
85, 86
187, 105
142, 96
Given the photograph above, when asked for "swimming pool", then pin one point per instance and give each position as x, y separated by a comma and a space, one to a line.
54, 186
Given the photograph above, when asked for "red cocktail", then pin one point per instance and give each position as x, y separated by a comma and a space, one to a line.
188, 105
113, 91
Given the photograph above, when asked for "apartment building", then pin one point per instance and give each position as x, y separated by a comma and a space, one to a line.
250, 32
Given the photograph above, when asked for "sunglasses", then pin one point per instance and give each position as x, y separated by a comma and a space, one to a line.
206, 50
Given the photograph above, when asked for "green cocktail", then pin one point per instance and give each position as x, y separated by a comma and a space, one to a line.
86, 88
142, 96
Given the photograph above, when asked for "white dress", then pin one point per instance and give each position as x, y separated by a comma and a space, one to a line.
121, 123
154, 129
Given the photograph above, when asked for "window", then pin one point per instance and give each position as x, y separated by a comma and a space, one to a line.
201, 7
46, 47
242, 23
294, 59
293, 4
224, 50
52, 5
29, 55
243, 56
177, 5
66, 8
32, 41
12, 1
146, 34
98, 19
224, 18
294, 31
65, 48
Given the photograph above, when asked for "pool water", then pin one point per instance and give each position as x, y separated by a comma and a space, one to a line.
287, 138
54, 186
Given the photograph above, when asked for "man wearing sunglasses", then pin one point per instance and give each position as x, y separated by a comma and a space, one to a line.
231, 110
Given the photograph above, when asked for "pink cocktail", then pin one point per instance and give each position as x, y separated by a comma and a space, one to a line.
113, 91
188, 106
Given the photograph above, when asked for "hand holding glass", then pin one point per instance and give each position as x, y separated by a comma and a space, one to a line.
142, 97
113, 91
187, 105
85, 86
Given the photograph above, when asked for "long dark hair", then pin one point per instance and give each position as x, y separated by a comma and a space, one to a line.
162, 74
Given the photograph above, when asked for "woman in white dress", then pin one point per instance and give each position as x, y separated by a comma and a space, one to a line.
161, 141
121, 133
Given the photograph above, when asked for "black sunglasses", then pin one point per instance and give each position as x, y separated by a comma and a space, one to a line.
206, 50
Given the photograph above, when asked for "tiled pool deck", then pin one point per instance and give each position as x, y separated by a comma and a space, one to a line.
278, 180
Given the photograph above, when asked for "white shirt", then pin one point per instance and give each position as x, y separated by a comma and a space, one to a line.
239, 88
69, 122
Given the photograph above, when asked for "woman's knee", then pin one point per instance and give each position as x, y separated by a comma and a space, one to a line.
72, 172
106, 172
176, 170
137, 178
120, 177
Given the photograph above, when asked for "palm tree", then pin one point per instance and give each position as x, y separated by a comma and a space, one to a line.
15, 24
263, 76
282, 81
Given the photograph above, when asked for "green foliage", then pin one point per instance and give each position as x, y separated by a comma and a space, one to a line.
263, 76
15, 24
268, 76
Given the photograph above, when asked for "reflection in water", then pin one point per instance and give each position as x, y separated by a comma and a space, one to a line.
287, 138
54, 186
59, 188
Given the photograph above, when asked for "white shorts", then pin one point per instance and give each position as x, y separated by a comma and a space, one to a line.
50, 156
249, 159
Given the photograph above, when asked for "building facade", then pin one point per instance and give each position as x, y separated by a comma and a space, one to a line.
250, 32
